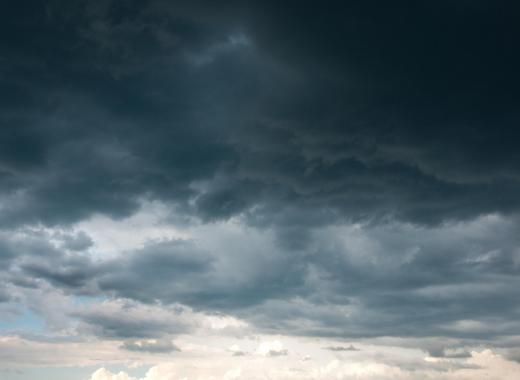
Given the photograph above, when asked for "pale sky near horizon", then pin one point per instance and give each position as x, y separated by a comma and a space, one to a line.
259, 190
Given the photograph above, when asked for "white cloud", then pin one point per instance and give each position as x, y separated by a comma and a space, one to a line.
484, 365
104, 374
111, 237
273, 348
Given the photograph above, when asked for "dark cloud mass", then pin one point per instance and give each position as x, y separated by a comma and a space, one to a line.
373, 145
364, 109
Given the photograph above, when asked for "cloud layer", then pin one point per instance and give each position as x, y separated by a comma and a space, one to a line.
178, 178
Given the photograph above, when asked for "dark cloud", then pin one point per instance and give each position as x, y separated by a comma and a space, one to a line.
396, 120
350, 111
117, 327
68, 273
127, 320
36, 257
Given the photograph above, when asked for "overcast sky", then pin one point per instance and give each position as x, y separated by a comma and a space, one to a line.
253, 190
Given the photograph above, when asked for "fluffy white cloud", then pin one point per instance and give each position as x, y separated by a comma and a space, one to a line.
483, 365
104, 374
274, 348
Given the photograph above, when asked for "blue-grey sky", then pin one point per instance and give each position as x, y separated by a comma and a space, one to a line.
259, 190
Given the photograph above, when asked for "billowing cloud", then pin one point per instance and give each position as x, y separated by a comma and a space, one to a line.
179, 178
480, 365
455, 280
393, 131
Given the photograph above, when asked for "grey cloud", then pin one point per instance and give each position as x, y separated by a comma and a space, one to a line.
4, 297
155, 347
129, 321
73, 274
341, 348
378, 285
177, 271
451, 353
352, 281
357, 114
513, 354
37, 258
161, 271
6, 253
165, 271
114, 327
276, 353
77, 242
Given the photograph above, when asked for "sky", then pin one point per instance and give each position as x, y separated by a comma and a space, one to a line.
259, 190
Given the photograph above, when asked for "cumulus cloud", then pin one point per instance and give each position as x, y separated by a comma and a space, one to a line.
272, 349
481, 365
103, 374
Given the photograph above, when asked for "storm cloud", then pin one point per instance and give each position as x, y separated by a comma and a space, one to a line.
390, 115
346, 170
